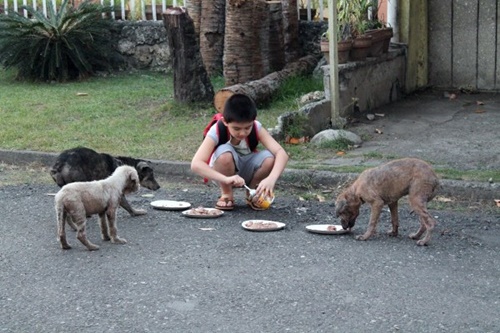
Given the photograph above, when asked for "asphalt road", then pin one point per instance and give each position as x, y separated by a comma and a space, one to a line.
172, 276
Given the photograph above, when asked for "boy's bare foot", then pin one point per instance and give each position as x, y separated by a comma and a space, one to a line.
225, 202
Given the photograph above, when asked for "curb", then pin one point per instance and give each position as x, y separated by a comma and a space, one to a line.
291, 177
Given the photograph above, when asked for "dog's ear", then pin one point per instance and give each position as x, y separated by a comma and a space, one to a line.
340, 207
143, 166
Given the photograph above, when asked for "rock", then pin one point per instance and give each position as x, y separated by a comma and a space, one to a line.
370, 116
312, 97
331, 135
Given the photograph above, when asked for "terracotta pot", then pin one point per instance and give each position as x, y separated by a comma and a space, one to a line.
387, 41
378, 38
360, 47
343, 50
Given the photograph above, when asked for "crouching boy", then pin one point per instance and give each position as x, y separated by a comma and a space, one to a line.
233, 160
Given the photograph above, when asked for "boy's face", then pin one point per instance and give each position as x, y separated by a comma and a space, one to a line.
239, 130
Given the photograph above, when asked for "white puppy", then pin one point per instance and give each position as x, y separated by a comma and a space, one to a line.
76, 201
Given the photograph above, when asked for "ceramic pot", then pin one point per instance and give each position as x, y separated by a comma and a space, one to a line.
360, 47
343, 50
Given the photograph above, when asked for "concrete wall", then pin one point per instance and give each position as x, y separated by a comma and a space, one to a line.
464, 48
369, 84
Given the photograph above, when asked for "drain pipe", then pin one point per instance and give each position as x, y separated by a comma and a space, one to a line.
392, 19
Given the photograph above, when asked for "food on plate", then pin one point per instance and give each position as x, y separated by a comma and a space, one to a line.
331, 228
203, 211
260, 225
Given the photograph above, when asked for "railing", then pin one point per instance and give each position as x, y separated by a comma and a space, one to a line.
140, 10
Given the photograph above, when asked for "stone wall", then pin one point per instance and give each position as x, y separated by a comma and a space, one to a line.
143, 44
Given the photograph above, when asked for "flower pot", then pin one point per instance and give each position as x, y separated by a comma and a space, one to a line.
360, 47
343, 50
378, 39
387, 41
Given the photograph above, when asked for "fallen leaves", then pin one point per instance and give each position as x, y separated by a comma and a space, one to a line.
497, 201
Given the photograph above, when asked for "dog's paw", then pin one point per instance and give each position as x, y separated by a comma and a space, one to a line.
421, 243
118, 240
392, 233
361, 238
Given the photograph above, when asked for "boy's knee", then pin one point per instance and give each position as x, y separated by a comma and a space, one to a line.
268, 164
225, 159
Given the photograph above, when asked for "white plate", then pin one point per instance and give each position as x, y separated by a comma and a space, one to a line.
324, 229
211, 213
170, 205
262, 225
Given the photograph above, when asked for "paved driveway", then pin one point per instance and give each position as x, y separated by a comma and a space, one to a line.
172, 276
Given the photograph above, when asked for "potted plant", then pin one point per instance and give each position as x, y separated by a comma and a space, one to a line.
355, 13
344, 44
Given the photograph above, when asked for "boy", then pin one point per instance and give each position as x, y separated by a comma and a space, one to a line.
236, 162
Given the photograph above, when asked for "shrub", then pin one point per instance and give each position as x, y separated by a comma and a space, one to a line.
70, 43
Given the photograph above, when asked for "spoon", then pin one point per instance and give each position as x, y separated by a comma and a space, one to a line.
251, 192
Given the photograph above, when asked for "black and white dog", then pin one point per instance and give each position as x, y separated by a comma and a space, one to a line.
83, 164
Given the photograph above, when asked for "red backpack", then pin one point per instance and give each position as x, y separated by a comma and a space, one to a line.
224, 136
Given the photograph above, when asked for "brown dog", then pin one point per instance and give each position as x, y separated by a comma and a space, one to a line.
386, 184
76, 201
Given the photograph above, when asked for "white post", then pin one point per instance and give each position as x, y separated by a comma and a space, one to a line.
334, 76
392, 19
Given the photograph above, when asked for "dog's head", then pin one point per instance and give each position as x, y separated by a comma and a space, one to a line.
147, 176
132, 183
347, 208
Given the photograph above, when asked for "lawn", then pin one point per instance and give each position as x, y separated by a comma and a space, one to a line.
130, 114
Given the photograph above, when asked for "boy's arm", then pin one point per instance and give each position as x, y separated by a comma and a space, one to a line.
280, 160
199, 165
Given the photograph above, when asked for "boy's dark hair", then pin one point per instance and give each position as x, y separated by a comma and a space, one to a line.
239, 108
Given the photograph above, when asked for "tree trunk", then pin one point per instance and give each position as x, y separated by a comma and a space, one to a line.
291, 30
276, 37
194, 11
242, 44
212, 26
262, 90
191, 82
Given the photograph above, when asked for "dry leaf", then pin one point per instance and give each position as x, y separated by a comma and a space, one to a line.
453, 96
479, 103
378, 131
497, 202
380, 114
320, 198
207, 229
443, 199
340, 153
82, 94
479, 111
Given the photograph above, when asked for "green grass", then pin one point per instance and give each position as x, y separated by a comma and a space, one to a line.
134, 114
125, 113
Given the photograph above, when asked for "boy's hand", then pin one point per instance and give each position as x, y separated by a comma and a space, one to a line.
266, 186
235, 181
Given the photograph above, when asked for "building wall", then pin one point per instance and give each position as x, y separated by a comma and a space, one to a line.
464, 45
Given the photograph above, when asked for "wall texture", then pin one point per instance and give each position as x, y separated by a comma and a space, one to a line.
463, 44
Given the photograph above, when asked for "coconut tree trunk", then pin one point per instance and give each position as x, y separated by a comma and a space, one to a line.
291, 29
263, 89
242, 43
276, 37
212, 35
191, 82
194, 11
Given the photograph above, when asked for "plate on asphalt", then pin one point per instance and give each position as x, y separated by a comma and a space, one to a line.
203, 213
262, 225
170, 205
326, 229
